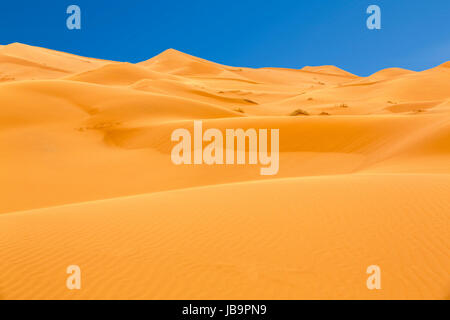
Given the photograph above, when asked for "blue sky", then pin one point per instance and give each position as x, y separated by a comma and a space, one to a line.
415, 34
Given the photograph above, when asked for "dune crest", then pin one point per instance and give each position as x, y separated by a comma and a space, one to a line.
23, 62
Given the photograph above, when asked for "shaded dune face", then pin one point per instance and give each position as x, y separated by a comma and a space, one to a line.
87, 179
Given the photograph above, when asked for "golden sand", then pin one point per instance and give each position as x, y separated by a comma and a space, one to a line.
87, 179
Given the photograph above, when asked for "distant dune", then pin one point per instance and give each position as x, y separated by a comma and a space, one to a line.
87, 179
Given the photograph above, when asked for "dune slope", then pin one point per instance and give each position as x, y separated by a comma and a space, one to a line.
277, 239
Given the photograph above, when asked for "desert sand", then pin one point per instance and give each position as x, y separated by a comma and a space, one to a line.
87, 179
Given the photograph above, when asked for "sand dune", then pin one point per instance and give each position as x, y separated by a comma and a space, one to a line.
390, 73
184, 244
117, 74
175, 62
328, 70
87, 179
22, 62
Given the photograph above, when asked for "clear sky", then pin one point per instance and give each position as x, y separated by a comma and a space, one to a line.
415, 34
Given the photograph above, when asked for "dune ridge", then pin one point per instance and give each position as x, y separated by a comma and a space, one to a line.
87, 179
